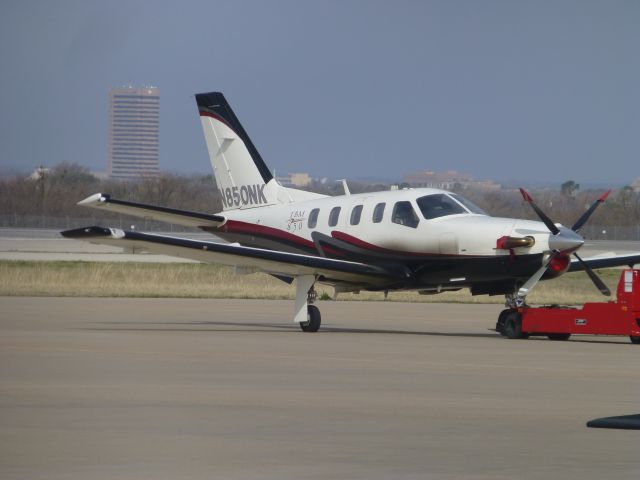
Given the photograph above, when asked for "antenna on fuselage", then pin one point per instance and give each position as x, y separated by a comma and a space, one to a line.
345, 186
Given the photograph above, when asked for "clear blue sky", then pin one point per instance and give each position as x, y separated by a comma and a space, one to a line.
531, 90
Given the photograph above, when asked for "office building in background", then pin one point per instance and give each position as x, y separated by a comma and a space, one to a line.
134, 127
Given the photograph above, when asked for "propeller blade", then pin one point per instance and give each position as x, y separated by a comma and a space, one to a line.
547, 221
597, 281
585, 216
525, 289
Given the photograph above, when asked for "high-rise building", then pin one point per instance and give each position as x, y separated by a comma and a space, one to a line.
134, 126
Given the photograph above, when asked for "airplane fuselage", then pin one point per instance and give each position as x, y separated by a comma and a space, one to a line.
441, 238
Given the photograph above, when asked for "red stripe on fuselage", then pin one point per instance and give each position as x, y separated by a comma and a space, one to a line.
235, 226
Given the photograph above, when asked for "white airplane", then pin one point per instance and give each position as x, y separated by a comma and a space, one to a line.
412, 239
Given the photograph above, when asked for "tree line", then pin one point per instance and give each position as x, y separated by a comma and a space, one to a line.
55, 193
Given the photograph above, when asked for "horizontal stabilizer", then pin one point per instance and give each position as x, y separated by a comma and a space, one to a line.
268, 261
104, 201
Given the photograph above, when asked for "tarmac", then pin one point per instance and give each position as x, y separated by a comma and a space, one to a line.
176, 388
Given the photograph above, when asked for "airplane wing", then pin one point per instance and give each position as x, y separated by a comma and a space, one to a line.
601, 261
103, 201
268, 261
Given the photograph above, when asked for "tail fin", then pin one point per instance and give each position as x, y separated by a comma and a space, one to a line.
241, 175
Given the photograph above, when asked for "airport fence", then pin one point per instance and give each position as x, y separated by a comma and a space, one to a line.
590, 232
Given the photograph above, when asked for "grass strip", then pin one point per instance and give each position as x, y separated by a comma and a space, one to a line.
129, 279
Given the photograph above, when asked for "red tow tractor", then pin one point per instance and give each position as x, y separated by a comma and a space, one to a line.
619, 317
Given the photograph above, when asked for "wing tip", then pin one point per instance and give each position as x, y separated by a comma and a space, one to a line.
93, 200
85, 232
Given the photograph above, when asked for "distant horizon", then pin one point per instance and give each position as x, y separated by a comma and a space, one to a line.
504, 183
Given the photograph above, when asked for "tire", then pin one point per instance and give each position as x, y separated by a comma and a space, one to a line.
513, 326
635, 340
313, 319
560, 337
501, 320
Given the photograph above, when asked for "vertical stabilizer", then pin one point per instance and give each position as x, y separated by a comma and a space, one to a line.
241, 175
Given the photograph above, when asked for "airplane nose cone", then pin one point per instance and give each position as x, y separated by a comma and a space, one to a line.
565, 241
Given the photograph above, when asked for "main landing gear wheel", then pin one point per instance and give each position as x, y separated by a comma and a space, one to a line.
313, 319
513, 326
559, 336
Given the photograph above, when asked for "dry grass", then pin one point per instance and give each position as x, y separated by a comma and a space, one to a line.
101, 279
120, 279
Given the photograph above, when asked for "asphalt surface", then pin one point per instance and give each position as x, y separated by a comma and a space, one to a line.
166, 389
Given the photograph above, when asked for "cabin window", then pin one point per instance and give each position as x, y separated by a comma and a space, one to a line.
378, 212
334, 216
313, 218
356, 213
438, 205
404, 214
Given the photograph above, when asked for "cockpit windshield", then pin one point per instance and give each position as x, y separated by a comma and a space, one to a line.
441, 205
472, 207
